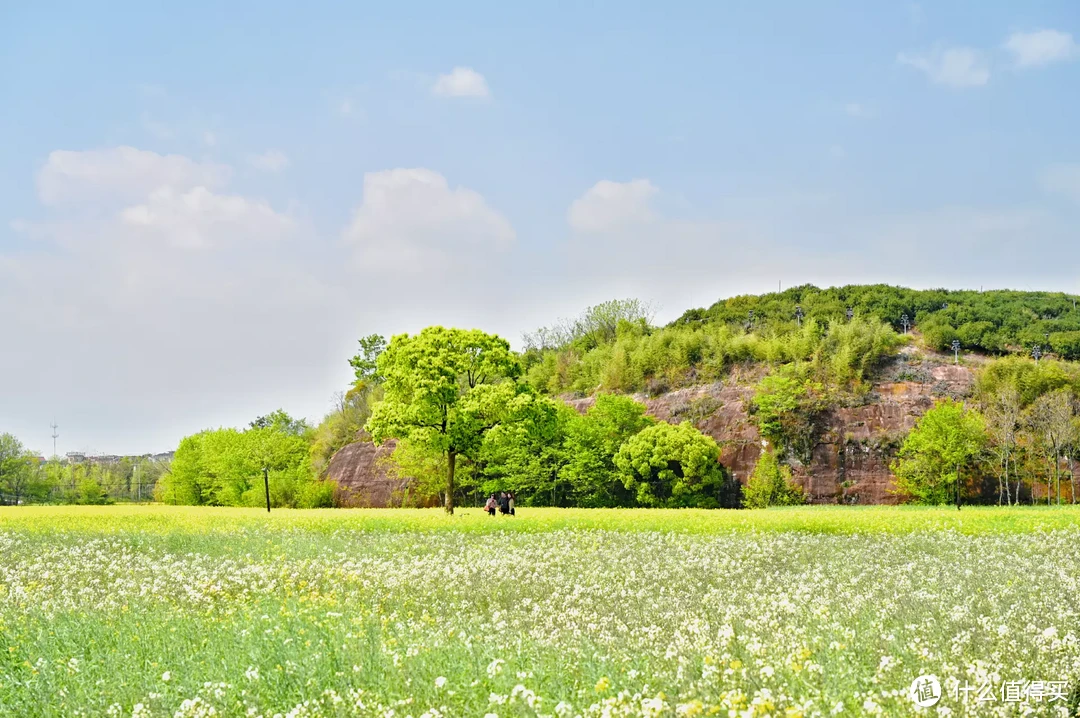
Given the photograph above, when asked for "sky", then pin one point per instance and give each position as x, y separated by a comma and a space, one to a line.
204, 205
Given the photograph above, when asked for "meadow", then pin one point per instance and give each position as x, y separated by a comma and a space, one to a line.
810, 611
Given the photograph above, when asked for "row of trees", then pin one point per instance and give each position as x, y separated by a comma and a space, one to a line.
1016, 440
225, 467
26, 478
467, 424
997, 321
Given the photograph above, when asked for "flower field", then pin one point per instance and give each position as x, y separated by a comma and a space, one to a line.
161, 611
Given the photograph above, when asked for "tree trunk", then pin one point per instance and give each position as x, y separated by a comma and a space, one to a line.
1008, 497
1072, 479
451, 460
1057, 474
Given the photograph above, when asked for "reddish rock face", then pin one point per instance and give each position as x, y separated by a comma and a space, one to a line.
360, 470
849, 464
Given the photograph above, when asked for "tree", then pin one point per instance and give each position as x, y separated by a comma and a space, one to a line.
593, 440
17, 470
787, 407
771, 484
223, 467
529, 453
1051, 416
668, 465
366, 362
1002, 412
444, 389
929, 462
280, 421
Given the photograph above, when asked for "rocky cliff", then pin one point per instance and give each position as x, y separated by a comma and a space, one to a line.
361, 472
850, 461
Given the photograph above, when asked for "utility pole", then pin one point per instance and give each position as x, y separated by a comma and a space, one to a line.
54, 436
956, 351
266, 482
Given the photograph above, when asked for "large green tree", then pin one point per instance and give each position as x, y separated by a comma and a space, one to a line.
444, 389
668, 465
528, 453
592, 441
945, 439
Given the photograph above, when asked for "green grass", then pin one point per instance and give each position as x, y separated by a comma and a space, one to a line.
171, 611
978, 520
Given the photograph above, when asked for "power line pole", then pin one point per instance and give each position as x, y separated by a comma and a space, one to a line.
54, 436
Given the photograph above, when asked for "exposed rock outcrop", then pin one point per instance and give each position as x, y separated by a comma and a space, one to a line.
361, 472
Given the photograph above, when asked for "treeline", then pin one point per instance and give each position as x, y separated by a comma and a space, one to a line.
25, 478
231, 467
467, 424
993, 321
1014, 442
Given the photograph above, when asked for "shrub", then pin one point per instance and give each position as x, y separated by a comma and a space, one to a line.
771, 485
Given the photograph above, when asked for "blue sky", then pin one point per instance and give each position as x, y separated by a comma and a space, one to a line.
203, 206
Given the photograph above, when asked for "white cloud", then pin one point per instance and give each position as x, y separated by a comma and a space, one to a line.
413, 219
954, 66
1063, 179
120, 172
200, 218
611, 205
209, 139
269, 161
461, 82
128, 303
1041, 47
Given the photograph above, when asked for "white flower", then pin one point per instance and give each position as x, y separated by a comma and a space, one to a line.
166, 676
440, 681
495, 667
252, 673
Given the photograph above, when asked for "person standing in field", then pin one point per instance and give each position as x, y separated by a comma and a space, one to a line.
504, 503
490, 505
510, 501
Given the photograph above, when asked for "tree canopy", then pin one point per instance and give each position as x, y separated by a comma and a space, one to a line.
444, 389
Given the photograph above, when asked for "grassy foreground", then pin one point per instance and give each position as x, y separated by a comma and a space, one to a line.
814, 519
170, 611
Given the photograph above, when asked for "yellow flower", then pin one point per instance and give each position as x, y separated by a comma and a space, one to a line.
736, 664
603, 684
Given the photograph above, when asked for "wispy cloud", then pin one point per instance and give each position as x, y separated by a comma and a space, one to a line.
953, 66
461, 82
1041, 47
